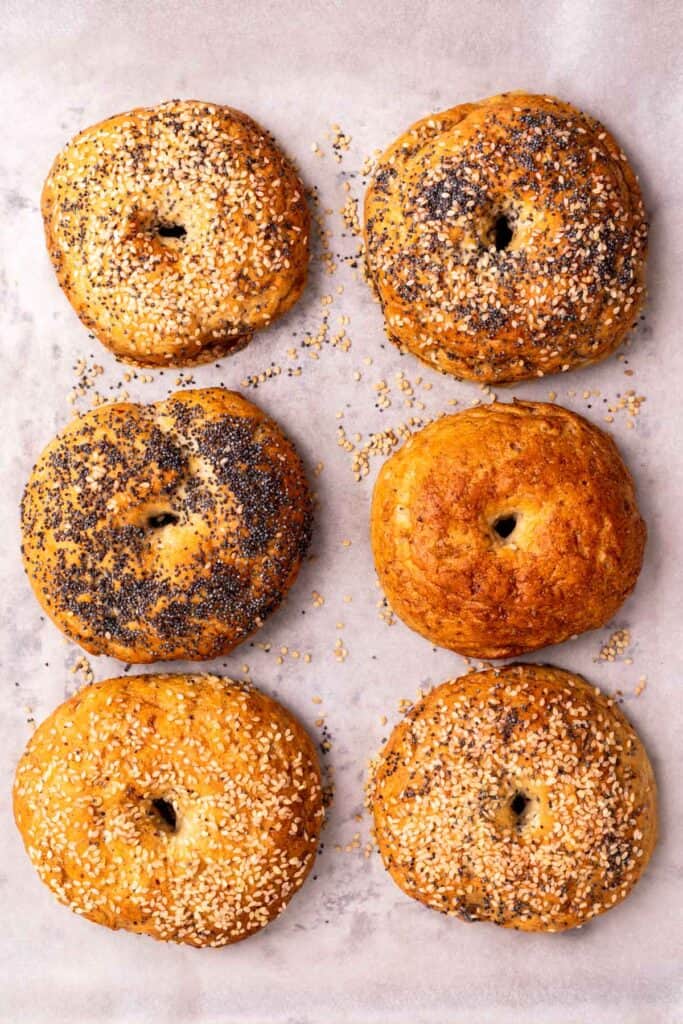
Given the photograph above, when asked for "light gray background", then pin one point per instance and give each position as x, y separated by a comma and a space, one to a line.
351, 947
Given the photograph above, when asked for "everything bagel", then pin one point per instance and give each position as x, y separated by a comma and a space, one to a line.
520, 796
176, 231
506, 239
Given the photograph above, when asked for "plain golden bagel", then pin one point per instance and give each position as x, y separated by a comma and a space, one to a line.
166, 531
522, 797
186, 808
506, 528
506, 239
176, 231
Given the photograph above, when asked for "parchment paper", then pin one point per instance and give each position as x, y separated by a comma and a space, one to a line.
350, 947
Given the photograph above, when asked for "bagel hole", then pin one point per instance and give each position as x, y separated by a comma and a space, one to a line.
502, 233
165, 811
160, 519
171, 231
504, 526
519, 804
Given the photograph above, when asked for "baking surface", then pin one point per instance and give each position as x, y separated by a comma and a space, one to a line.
351, 947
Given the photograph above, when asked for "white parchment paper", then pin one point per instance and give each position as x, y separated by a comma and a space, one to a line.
351, 947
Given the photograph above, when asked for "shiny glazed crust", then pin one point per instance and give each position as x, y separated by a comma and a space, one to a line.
522, 797
117, 197
565, 288
571, 560
186, 808
157, 532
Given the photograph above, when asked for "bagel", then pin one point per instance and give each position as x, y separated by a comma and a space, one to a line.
176, 231
505, 528
520, 796
166, 531
186, 808
506, 239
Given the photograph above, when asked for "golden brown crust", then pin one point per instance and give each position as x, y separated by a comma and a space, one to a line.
463, 295
570, 561
187, 808
521, 796
166, 531
119, 195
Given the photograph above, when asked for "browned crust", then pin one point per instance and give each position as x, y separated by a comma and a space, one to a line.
444, 789
573, 558
206, 168
240, 773
236, 522
569, 285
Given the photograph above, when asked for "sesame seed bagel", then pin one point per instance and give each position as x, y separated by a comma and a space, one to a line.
156, 532
187, 808
505, 528
521, 796
506, 239
176, 231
